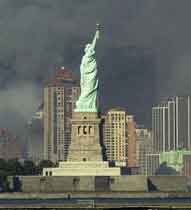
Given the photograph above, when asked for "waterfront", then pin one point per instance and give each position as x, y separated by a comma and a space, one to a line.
103, 201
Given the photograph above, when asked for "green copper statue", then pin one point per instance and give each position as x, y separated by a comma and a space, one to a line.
89, 80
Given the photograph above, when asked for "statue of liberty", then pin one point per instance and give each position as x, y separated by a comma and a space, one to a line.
89, 80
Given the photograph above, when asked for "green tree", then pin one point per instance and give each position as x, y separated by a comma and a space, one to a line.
14, 167
29, 168
3, 164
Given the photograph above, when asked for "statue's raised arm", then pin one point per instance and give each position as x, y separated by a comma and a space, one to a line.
96, 37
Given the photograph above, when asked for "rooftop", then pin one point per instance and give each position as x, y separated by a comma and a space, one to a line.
62, 75
117, 109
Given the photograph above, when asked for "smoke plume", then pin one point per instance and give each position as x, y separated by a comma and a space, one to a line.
144, 51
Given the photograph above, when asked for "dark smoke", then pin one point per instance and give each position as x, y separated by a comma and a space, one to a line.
144, 52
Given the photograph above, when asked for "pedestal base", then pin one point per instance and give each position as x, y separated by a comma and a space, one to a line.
91, 168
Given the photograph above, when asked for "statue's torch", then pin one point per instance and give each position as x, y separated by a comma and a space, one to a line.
97, 30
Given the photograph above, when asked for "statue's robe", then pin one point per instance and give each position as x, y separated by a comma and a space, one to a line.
89, 82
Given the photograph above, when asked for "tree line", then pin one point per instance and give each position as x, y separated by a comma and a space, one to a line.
14, 167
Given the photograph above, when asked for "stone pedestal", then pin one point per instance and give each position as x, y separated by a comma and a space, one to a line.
85, 141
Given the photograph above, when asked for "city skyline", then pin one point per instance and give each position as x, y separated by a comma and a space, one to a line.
167, 104
95, 107
137, 60
171, 124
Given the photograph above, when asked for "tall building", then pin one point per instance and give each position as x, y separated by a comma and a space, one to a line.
143, 147
183, 115
60, 95
171, 124
116, 136
160, 127
34, 136
119, 137
131, 153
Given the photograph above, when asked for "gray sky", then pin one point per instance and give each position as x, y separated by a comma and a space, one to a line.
144, 52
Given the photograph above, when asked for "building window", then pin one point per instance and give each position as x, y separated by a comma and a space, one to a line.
90, 130
79, 130
85, 130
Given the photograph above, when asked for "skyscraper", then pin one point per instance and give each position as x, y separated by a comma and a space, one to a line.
183, 127
119, 137
34, 136
143, 147
171, 124
131, 154
116, 135
60, 95
160, 127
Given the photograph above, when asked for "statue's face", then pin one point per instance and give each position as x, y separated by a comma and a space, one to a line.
87, 47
